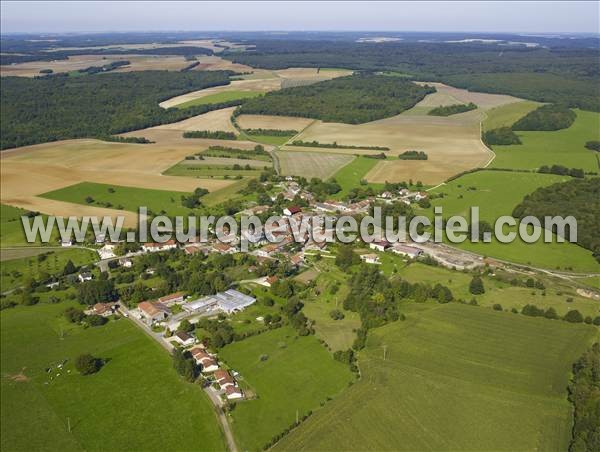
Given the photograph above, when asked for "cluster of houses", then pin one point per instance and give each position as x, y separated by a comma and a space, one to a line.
229, 302
221, 377
403, 195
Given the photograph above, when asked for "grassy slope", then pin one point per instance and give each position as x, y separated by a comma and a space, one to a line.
455, 377
186, 169
564, 147
495, 199
11, 228
225, 96
33, 267
130, 198
507, 115
112, 410
349, 176
297, 376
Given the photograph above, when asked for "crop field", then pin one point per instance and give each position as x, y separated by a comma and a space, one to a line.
487, 190
213, 120
450, 95
451, 143
507, 115
273, 122
296, 376
564, 147
455, 377
137, 386
312, 164
121, 198
224, 96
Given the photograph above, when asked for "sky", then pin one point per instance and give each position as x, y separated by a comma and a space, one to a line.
469, 16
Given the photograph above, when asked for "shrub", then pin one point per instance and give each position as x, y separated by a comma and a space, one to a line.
86, 364
573, 316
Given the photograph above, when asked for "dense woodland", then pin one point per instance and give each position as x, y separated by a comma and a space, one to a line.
546, 117
450, 110
501, 136
558, 75
353, 100
577, 197
55, 108
584, 394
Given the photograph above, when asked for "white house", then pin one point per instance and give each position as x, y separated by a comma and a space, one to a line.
224, 379
183, 338
233, 393
370, 258
153, 312
85, 276
66, 243
171, 299
125, 262
292, 210
202, 358
164, 246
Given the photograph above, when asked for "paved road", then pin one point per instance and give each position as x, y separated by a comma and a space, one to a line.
213, 397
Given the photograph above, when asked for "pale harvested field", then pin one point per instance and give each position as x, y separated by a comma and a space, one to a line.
216, 63
452, 144
273, 122
312, 164
310, 73
33, 170
448, 95
262, 85
138, 63
213, 121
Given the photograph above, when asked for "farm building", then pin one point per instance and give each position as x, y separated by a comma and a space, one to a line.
171, 299
381, 245
229, 302
153, 312
406, 250
292, 210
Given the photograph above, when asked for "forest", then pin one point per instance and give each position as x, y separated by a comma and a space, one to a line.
559, 75
577, 197
546, 117
354, 99
501, 136
56, 108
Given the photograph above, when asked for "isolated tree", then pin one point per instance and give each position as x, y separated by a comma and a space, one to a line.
476, 286
186, 326
573, 316
86, 364
69, 268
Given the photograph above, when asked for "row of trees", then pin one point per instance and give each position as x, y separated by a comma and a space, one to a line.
449, 110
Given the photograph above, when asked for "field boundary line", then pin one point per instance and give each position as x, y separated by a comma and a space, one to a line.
485, 116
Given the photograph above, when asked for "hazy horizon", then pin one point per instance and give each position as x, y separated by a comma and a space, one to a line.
527, 17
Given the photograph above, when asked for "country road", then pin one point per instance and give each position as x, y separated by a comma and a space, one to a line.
214, 398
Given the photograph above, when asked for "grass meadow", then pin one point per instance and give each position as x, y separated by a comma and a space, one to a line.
11, 228
52, 261
454, 377
507, 115
312, 164
217, 98
122, 198
136, 401
190, 169
563, 147
297, 375
351, 175
496, 193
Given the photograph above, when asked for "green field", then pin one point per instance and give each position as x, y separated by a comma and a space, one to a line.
296, 377
123, 198
189, 169
16, 271
135, 402
349, 176
338, 334
218, 98
489, 191
11, 228
455, 377
507, 115
564, 147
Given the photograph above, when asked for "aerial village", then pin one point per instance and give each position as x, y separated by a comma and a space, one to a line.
164, 317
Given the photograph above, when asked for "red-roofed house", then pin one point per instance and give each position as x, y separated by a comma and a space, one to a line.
233, 392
